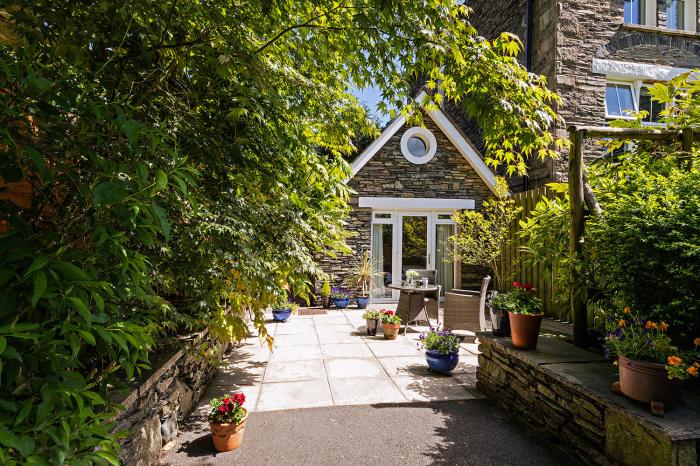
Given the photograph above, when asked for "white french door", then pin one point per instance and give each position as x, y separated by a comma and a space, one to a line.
405, 240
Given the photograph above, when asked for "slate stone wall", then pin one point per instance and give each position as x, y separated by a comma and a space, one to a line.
164, 397
564, 400
388, 174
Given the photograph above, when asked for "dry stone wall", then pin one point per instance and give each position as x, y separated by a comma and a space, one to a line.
161, 400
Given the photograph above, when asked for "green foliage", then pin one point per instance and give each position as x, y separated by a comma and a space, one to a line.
227, 409
362, 274
326, 288
372, 314
484, 234
186, 167
521, 300
546, 234
439, 340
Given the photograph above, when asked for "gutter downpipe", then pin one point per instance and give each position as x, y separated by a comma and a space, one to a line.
528, 59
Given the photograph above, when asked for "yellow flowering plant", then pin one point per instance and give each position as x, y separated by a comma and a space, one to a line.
630, 335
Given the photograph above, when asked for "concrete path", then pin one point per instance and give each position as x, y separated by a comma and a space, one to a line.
328, 361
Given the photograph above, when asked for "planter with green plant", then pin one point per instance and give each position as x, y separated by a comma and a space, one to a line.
340, 297
390, 324
412, 277
651, 368
441, 350
284, 312
227, 420
372, 317
524, 314
326, 294
361, 277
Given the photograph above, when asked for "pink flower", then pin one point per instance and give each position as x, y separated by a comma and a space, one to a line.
516, 284
222, 409
389, 313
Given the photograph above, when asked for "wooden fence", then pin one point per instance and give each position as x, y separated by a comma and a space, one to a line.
517, 269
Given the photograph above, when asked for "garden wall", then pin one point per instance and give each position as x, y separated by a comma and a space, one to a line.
162, 398
563, 395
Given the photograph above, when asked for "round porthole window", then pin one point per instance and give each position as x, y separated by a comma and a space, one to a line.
418, 145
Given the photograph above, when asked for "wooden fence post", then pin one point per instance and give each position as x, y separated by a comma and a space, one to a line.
576, 218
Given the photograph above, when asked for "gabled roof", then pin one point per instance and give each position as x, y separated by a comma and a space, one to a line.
453, 133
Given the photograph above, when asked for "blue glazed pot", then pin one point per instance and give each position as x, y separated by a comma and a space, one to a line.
442, 363
341, 303
362, 301
281, 315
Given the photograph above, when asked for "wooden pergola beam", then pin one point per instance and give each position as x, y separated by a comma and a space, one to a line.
577, 201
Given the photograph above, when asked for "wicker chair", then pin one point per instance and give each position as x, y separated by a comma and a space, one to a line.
464, 309
432, 298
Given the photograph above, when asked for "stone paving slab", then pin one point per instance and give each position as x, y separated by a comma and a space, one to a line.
365, 390
343, 368
292, 371
294, 395
296, 353
346, 350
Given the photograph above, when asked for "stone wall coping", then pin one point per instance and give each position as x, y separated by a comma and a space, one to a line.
660, 30
160, 362
590, 375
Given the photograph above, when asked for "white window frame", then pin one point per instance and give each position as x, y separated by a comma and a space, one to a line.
689, 15
648, 16
428, 139
635, 102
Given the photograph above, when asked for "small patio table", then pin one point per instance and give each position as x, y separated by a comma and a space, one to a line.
412, 309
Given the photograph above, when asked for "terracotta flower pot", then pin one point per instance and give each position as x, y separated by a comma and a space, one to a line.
648, 381
227, 437
525, 330
390, 331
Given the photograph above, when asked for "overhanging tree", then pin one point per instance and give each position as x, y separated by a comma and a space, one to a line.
172, 150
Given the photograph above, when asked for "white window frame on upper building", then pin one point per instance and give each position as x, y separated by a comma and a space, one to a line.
647, 16
689, 15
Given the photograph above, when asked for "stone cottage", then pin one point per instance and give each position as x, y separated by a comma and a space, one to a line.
598, 55
408, 183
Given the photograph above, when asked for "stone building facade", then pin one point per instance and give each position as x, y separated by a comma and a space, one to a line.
390, 186
583, 47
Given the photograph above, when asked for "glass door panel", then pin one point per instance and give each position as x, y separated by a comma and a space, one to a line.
382, 241
414, 243
444, 259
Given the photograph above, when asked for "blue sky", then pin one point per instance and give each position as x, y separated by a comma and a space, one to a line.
371, 97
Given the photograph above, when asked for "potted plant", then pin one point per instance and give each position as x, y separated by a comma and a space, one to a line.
372, 317
390, 324
524, 314
326, 294
283, 313
650, 367
500, 325
340, 297
361, 276
441, 350
411, 277
227, 421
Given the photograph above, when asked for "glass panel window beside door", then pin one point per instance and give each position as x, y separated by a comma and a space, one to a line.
619, 100
382, 259
444, 259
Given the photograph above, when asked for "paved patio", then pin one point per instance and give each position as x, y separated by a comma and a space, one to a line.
325, 368
328, 360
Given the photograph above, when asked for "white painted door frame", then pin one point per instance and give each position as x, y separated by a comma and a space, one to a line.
433, 219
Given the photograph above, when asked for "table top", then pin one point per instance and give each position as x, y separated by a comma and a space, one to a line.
415, 288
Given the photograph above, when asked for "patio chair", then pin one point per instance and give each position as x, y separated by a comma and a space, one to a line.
432, 298
464, 309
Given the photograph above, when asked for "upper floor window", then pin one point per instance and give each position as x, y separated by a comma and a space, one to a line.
675, 14
635, 11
